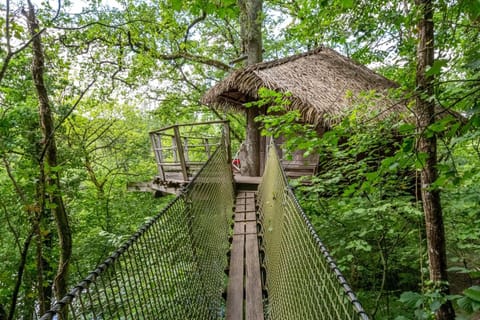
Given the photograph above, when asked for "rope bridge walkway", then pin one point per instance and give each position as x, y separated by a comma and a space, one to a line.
302, 279
175, 266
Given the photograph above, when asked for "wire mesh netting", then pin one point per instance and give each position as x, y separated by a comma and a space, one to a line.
173, 267
302, 280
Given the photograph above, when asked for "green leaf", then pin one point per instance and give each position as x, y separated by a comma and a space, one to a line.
420, 160
458, 269
347, 4
473, 293
421, 314
435, 305
56, 168
51, 205
473, 8
411, 299
177, 5
406, 128
436, 67
465, 304
407, 145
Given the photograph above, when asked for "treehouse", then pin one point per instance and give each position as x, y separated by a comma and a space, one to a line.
323, 86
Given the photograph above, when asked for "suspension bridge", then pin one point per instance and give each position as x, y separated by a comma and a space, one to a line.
219, 250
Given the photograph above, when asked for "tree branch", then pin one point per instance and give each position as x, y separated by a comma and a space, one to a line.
16, 236
110, 26
194, 22
10, 53
82, 94
18, 190
191, 57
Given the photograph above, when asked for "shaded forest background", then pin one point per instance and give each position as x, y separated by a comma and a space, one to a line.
81, 86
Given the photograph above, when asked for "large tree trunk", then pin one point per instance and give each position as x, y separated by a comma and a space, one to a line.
251, 33
427, 144
49, 157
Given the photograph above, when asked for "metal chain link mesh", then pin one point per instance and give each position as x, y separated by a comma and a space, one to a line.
302, 280
173, 267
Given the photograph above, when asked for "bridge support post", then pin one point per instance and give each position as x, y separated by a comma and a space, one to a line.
180, 151
226, 129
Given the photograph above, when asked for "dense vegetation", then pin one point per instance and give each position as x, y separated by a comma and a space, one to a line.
365, 204
81, 86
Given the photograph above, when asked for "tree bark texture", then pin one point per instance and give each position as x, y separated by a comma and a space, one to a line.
18, 283
251, 165
427, 144
49, 158
251, 34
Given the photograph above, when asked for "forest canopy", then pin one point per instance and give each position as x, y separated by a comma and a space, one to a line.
82, 84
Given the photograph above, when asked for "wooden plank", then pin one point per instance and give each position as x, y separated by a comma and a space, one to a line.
250, 216
239, 228
240, 208
241, 201
245, 179
251, 228
253, 280
239, 217
244, 292
235, 279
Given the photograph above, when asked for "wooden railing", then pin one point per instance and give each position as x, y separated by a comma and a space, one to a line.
181, 150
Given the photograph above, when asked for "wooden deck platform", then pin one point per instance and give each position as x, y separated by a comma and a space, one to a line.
245, 183
244, 292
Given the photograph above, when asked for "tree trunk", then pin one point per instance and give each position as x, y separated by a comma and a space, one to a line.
427, 144
251, 33
49, 158
251, 165
18, 283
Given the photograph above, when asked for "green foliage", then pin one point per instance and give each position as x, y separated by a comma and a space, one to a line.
115, 72
362, 199
426, 304
281, 120
363, 203
470, 302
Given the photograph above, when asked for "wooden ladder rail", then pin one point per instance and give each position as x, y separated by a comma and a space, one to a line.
244, 291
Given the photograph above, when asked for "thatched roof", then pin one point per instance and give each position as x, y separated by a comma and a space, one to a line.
324, 85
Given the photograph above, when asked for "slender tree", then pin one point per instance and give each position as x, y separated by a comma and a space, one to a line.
49, 156
427, 145
251, 33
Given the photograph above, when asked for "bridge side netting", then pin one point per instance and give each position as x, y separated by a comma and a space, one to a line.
173, 267
302, 279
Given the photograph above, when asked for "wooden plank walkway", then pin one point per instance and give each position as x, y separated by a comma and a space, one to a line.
244, 292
